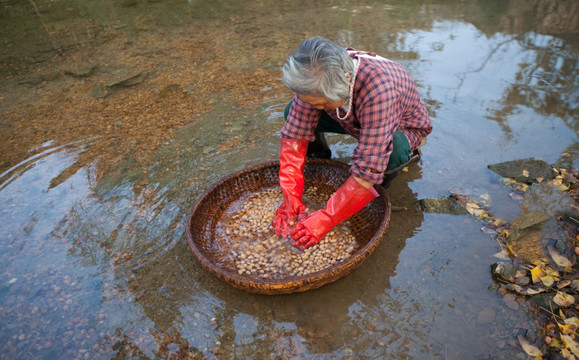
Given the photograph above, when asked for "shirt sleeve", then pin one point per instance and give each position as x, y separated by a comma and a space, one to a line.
301, 121
417, 125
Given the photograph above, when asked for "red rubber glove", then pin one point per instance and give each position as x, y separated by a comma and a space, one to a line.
292, 159
350, 198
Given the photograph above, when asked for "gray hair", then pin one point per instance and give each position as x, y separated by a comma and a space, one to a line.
318, 68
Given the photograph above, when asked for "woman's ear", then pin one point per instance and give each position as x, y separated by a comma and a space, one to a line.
348, 76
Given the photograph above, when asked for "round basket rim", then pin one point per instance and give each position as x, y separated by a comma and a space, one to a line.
247, 283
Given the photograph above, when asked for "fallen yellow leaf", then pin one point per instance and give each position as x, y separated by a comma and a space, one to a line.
573, 321
559, 259
563, 284
473, 205
566, 353
559, 182
525, 173
550, 271
548, 280
536, 274
531, 350
503, 255
571, 344
563, 299
498, 222
505, 233
537, 262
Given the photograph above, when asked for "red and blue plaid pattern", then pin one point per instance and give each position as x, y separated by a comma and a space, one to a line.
385, 99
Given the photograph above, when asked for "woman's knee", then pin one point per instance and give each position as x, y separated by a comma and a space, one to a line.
400, 151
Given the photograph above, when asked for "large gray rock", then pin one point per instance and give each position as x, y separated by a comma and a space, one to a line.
506, 271
525, 170
445, 205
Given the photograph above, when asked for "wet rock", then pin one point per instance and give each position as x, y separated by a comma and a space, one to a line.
170, 89
549, 198
99, 92
506, 271
527, 238
51, 76
442, 206
545, 300
102, 91
127, 81
486, 316
33, 79
529, 219
511, 301
82, 72
525, 170
523, 281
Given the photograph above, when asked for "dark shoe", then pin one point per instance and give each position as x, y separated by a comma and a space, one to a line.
389, 175
319, 149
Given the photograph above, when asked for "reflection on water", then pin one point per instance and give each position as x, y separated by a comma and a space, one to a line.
96, 265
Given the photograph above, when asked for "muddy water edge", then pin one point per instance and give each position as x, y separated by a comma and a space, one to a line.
117, 115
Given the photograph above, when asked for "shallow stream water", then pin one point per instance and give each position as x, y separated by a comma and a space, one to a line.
96, 265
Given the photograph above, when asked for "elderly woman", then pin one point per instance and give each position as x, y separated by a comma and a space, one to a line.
349, 92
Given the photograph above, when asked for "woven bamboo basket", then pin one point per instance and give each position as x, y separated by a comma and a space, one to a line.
368, 225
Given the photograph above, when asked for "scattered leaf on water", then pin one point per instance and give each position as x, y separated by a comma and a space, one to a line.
573, 321
563, 299
511, 301
537, 273
488, 230
559, 182
525, 173
559, 259
473, 205
548, 280
524, 290
562, 314
531, 350
503, 255
563, 284
470, 205
571, 344
566, 353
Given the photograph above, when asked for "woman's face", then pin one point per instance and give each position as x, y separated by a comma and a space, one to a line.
321, 103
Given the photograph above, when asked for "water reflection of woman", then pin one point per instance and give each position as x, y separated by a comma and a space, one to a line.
349, 92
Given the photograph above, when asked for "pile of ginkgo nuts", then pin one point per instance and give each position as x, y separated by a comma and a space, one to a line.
254, 249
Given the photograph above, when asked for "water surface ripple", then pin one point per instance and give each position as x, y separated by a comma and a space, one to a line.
93, 258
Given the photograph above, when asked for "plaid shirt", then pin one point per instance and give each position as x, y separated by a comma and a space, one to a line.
384, 99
